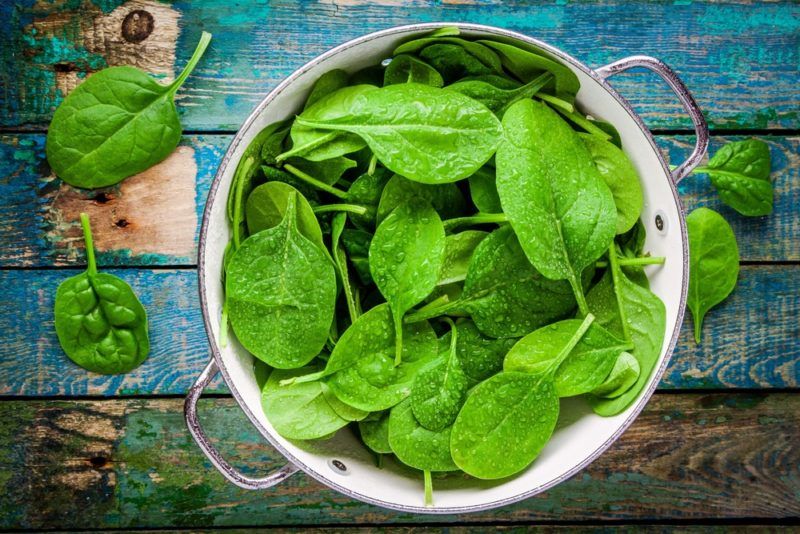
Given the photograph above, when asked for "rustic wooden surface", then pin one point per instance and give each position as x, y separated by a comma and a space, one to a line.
717, 446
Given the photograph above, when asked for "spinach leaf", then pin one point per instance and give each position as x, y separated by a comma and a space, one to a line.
356, 243
636, 315
740, 173
478, 51
621, 177
527, 65
415, 445
405, 258
480, 357
483, 190
621, 378
115, 124
343, 410
361, 367
498, 99
507, 419
439, 392
446, 199
458, 251
317, 145
366, 190
375, 434
328, 171
100, 323
299, 411
554, 196
453, 62
505, 295
408, 69
586, 366
713, 263
267, 206
328, 83
340, 263
445, 140
281, 292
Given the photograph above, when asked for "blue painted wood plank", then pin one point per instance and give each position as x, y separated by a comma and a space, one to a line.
154, 218
750, 341
740, 59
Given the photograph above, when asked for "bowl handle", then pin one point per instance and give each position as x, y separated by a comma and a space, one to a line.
683, 94
211, 452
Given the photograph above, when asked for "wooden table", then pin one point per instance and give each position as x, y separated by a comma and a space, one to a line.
719, 444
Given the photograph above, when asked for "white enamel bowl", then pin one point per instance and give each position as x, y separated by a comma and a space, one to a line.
343, 463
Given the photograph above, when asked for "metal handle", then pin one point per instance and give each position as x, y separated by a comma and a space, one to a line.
683, 94
227, 470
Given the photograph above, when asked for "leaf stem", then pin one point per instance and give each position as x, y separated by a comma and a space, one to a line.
205, 40
584, 123
554, 100
311, 377
628, 262
615, 277
574, 340
87, 238
398, 338
373, 164
314, 182
351, 208
479, 218
428, 488
429, 312
577, 290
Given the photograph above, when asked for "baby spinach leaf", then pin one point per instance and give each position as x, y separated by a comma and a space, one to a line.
362, 369
281, 292
356, 243
375, 434
740, 173
439, 392
405, 258
498, 99
415, 445
639, 317
527, 65
100, 323
586, 366
408, 69
554, 196
453, 62
458, 251
267, 205
483, 190
343, 410
507, 419
261, 371
366, 191
340, 263
444, 141
328, 83
505, 295
118, 122
621, 378
317, 145
713, 263
480, 357
478, 51
446, 199
621, 177
328, 171
299, 411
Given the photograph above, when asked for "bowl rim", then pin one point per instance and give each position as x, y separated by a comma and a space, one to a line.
226, 160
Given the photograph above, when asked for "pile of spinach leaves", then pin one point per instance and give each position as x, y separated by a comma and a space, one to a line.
436, 250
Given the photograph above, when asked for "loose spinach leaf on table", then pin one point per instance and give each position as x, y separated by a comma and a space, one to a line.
553, 194
281, 289
118, 122
740, 173
408, 69
507, 419
586, 366
713, 263
405, 257
447, 139
100, 323
439, 392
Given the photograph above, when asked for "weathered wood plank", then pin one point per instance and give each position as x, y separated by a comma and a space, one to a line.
86, 464
473, 528
154, 218
740, 61
750, 341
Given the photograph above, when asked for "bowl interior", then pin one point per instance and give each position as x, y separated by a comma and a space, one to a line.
580, 435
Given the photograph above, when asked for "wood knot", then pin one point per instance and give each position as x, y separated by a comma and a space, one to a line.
98, 461
122, 223
137, 26
102, 198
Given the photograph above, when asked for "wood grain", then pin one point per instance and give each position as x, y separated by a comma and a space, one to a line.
750, 341
739, 60
154, 218
132, 463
